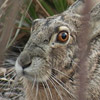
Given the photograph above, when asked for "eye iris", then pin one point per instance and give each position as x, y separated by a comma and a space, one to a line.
62, 36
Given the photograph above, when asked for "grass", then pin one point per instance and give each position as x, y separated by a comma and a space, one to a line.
36, 9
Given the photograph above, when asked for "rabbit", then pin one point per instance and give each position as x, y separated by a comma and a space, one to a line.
49, 61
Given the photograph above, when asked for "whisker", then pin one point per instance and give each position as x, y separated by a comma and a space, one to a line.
55, 87
37, 90
49, 90
56, 80
44, 86
45, 91
34, 83
61, 72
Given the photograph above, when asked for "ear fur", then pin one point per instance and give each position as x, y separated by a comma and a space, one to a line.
77, 8
95, 21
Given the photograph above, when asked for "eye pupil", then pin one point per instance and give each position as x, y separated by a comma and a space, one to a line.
64, 35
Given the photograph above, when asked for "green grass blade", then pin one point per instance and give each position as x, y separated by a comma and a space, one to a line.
32, 12
47, 7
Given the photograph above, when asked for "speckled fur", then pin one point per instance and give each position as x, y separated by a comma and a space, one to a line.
43, 50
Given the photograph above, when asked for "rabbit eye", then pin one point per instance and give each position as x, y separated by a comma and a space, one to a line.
63, 36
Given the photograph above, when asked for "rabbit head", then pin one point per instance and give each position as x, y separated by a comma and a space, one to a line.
51, 51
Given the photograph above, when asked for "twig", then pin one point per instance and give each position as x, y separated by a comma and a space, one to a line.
42, 8
8, 26
84, 49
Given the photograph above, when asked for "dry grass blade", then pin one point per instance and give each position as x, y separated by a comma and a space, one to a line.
1, 2
41, 7
84, 49
8, 26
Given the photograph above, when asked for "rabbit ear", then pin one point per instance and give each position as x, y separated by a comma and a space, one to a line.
95, 21
78, 6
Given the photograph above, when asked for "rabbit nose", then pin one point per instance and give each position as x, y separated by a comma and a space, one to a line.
24, 60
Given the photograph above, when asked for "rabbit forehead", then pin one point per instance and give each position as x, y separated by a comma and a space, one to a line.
49, 27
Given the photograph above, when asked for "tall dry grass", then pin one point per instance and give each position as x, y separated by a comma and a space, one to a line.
8, 13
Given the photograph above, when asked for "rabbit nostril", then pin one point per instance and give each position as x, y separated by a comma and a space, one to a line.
24, 60
26, 65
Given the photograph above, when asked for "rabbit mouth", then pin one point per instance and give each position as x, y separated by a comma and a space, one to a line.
36, 77
38, 70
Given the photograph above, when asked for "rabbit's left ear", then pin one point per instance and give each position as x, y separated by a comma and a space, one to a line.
76, 7
79, 5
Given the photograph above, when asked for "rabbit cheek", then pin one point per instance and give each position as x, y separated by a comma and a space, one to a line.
58, 55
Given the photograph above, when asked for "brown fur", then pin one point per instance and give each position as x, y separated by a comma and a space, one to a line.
43, 54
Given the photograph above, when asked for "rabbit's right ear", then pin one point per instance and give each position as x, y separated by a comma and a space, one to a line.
95, 21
